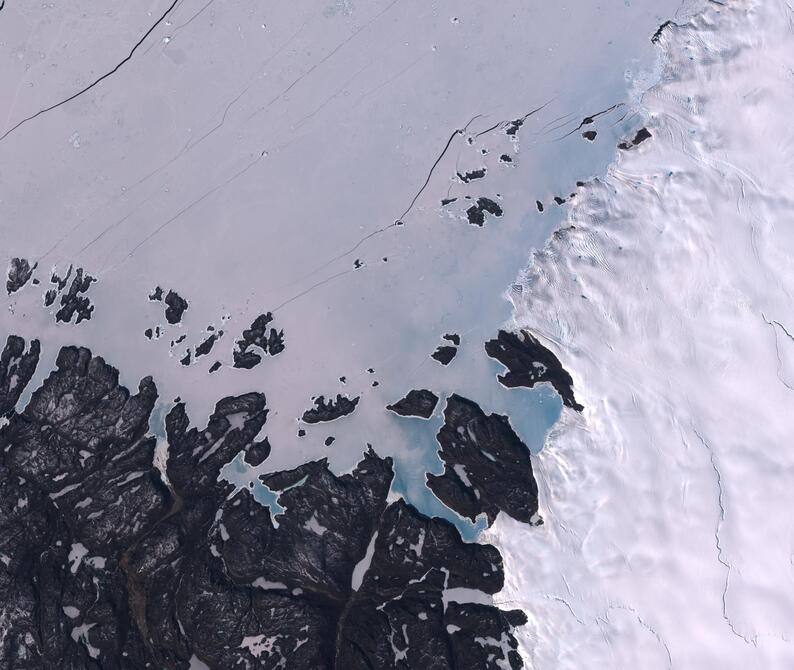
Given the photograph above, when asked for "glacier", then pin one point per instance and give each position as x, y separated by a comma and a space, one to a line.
666, 294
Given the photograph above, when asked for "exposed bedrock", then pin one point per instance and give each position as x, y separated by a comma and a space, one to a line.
260, 335
487, 468
176, 306
529, 363
107, 562
74, 302
19, 273
419, 403
330, 410
444, 354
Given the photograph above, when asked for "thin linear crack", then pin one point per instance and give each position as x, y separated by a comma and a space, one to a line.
456, 133
717, 538
587, 120
188, 207
193, 143
397, 222
97, 81
647, 627
323, 60
311, 288
772, 324
568, 606
520, 119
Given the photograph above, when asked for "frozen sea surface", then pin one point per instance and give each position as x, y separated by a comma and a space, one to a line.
255, 158
667, 294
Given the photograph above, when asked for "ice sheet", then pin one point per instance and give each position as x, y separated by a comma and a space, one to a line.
668, 540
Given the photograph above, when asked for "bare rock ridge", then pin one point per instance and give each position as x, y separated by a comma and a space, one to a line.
487, 468
19, 273
175, 304
641, 135
74, 301
330, 410
419, 403
476, 213
529, 363
262, 336
444, 354
107, 563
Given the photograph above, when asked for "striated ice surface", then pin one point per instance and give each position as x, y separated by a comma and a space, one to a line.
668, 541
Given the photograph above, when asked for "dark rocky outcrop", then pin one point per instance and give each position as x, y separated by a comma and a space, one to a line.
206, 346
471, 175
487, 468
176, 306
513, 127
106, 562
330, 410
657, 36
16, 368
419, 403
74, 302
397, 618
260, 336
444, 354
642, 135
476, 213
19, 273
529, 363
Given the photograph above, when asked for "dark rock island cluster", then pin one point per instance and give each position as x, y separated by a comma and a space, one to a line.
330, 410
175, 304
259, 336
74, 303
108, 561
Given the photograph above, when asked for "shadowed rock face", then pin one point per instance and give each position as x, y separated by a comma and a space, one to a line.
74, 302
419, 403
259, 336
176, 306
444, 354
19, 273
642, 135
106, 563
330, 410
529, 363
487, 468
16, 368
476, 213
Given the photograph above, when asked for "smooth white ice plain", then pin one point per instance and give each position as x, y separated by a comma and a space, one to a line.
669, 540
248, 154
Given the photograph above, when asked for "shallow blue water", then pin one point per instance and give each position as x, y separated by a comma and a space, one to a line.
532, 413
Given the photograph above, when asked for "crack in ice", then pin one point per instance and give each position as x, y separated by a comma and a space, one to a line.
96, 81
717, 537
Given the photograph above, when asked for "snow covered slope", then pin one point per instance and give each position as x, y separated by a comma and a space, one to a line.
668, 539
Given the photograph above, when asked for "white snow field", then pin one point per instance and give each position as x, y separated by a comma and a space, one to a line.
669, 540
